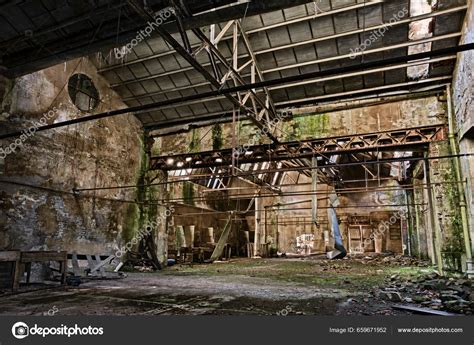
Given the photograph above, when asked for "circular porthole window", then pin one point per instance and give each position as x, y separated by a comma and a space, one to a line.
83, 92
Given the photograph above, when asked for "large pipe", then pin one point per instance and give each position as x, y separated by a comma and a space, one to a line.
457, 168
338, 245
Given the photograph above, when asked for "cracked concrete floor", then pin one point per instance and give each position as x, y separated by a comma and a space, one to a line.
239, 287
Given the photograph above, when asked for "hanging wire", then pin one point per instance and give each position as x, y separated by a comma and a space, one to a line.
363, 29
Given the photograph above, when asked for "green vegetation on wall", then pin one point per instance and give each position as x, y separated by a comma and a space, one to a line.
134, 215
453, 242
217, 140
188, 193
195, 144
138, 215
307, 127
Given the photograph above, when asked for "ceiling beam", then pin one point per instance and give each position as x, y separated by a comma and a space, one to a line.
266, 83
251, 32
185, 124
332, 77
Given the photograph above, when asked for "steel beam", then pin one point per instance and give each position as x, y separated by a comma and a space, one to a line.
347, 75
323, 148
213, 53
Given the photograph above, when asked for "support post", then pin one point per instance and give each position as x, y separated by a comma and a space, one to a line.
409, 225
314, 188
437, 258
257, 225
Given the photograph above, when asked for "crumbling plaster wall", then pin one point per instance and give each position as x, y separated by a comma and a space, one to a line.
40, 212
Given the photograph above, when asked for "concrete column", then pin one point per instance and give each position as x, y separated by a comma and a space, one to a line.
210, 234
435, 231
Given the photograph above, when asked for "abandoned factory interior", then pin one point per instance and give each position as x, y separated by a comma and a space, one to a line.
236, 157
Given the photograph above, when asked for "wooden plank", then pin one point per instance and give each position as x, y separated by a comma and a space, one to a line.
11, 255
99, 267
425, 311
38, 256
75, 265
17, 275
91, 264
222, 241
100, 264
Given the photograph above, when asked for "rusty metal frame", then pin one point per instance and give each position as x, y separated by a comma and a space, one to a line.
258, 107
324, 148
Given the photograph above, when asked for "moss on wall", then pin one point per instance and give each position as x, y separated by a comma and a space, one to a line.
195, 143
306, 127
217, 139
453, 242
188, 193
134, 215
131, 222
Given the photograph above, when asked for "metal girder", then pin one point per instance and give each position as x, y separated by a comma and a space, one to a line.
323, 148
214, 55
374, 91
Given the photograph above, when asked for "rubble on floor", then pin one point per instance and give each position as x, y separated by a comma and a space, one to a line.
431, 291
393, 260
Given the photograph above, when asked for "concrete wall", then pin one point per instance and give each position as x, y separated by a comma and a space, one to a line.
40, 212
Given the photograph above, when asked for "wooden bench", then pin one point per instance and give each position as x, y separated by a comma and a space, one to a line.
27, 258
14, 257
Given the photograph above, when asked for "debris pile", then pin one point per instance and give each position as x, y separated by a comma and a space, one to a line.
393, 260
431, 291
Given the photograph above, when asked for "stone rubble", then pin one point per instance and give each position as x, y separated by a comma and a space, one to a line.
431, 291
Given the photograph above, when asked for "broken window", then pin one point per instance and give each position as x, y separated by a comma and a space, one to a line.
83, 92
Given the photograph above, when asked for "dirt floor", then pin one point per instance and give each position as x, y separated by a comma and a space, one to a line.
309, 286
